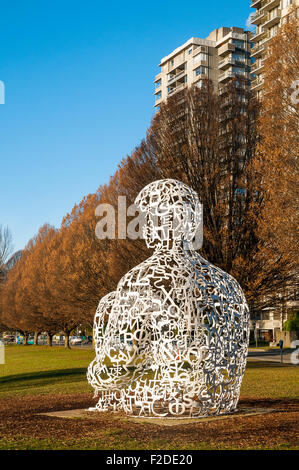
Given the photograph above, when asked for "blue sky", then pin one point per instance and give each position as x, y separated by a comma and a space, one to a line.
79, 93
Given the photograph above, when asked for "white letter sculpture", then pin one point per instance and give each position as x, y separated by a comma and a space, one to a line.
172, 340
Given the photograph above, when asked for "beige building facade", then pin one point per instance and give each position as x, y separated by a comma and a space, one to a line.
269, 16
224, 54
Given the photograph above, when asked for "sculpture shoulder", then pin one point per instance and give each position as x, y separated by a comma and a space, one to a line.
141, 272
106, 303
213, 275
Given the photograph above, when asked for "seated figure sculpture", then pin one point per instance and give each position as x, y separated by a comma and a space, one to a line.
172, 340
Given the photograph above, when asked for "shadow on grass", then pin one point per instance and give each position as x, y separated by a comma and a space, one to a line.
43, 378
267, 364
47, 377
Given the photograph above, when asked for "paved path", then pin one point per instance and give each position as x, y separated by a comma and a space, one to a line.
270, 355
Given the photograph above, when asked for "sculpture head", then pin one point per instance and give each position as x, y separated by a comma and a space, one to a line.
173, 213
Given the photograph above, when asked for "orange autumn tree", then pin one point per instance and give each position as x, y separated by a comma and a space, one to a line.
55, 303
15, 315
37, 289
28, 304
75, 266
276, 165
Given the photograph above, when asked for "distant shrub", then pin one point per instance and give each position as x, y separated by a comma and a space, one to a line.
292, 324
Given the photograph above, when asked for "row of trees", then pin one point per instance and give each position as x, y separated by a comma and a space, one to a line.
238, 154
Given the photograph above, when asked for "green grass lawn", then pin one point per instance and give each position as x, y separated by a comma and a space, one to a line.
34, 370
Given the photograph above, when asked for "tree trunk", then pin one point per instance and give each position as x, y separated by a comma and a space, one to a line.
36, 335
67, 340
50, 339
26, 339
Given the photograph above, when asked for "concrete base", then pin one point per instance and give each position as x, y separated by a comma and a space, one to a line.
87, 414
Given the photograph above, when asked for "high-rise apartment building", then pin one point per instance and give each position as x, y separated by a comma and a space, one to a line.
224, 54
269, 16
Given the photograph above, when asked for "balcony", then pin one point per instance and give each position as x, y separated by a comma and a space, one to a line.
203, 63
258, 17
230, 74
257, 84
258, 50
270, 4
223, 64
267, 39
200, 76
204, 49
255, 3
258, 35
226, 49
173, 78
225, 76
172, 68
240, 85
258, 66
176, 89
158, 99
272, 19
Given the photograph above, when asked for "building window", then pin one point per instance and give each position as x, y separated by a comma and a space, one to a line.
200, 57
172, 62
273, 31
239, 58
239, 44
190, 50
273, 13
200, 71
238, 71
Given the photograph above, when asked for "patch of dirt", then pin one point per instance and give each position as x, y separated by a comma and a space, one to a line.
19, 417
